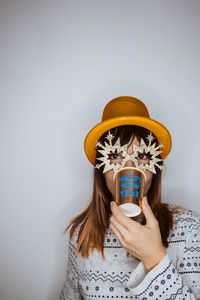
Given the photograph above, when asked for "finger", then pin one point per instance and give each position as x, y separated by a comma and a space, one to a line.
149, 215
119, 227
118, 234
121, 240
121, 218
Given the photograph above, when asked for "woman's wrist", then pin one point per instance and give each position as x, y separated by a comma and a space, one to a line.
150, 265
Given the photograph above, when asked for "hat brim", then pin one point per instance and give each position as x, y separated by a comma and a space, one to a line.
159, 130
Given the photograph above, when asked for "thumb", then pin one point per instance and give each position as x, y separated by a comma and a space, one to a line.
149, 215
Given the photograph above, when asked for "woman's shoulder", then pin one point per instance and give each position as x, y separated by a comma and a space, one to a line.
184, 214
73, 240
186, 221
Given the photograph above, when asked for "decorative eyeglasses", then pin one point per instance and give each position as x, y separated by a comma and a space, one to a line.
116, 156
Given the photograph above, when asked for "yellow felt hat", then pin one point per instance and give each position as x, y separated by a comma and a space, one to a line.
126, 110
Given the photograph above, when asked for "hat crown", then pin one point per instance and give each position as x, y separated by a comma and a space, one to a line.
124, 106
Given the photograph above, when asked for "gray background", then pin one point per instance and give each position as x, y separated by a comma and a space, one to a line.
61, 62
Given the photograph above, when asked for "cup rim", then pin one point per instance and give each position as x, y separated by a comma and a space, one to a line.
130, 214
130, 168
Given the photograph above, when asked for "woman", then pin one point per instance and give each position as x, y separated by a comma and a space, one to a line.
153, 256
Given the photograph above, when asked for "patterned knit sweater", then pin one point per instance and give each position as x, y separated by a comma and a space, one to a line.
177, 276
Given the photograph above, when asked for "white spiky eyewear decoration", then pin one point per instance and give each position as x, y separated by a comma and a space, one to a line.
143, 148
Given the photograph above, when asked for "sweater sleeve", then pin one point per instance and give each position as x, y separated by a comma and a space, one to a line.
71, 289
165, 281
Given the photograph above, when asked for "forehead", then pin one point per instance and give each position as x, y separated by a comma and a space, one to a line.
133, 141
127, 134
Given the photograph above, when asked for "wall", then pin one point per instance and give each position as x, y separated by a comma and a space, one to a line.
61, 62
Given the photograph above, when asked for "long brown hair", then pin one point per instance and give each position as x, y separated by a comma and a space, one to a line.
94, 220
